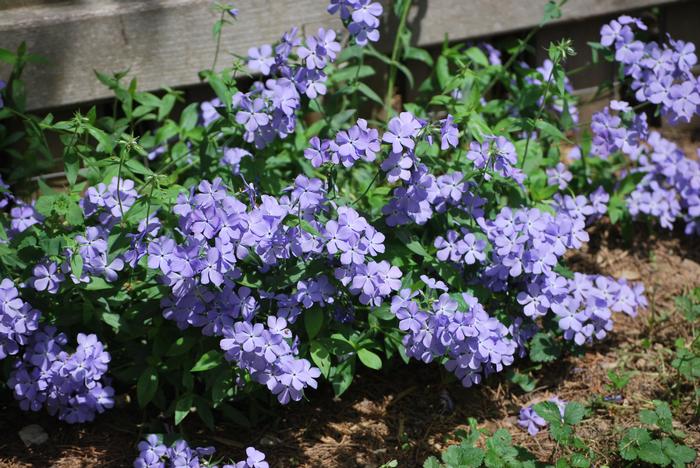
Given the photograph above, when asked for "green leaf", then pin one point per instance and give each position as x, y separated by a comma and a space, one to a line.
652, 452
341, 376
204, 411
76, 264
321, 357
544, 348
113, 320
417, 248
189, 116
477, 56
431, 462
71, 164
147, 386
525, 381
234, 415
74, 215
369, 93
549, 411
136, 167
105, 143
342, 117
98, 284
313, 321
551, 12
631, 441
648, 417
44, 204
422, 55
442, 70
352, 72
209, 360
551, 131
369, 359
459, 456
679, 454
574, 413
183, 407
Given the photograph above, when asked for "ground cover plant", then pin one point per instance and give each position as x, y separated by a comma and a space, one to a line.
220, 260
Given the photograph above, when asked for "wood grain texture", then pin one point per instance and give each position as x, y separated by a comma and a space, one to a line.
165, 42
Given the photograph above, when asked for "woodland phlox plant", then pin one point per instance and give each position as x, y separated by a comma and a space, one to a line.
666, 181
153, 453
244, 250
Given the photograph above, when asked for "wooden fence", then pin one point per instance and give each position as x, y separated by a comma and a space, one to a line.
165, 42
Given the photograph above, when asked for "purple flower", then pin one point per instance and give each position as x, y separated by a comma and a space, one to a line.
449, 134
24, 216
530, 420
401, 132
559, 176
47, 277
260, 59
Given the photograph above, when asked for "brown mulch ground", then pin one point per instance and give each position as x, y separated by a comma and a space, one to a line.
405, 413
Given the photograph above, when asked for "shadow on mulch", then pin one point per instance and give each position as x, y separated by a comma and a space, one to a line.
407, 413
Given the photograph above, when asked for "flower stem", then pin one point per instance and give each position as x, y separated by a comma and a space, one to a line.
394, 57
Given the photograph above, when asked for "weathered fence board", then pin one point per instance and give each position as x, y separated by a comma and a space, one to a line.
165, 42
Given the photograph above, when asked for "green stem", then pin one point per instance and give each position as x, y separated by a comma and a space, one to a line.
218, 40
512, 58
371, 183
539, 111
394, 57
518, 51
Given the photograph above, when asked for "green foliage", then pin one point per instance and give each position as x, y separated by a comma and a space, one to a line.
498, 452
661, 444
619, 380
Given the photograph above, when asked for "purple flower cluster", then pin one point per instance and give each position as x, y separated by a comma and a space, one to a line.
93, 248
529, 242
268, 110
474, 343
618, 128
361, 18
496, 154
531, 421
155, 454
559, 176
68, 385
421, 194
266, 354
358, 142
109, 202
525, 247
18, 320
670, 189
660, 73
584, 305
219, 232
